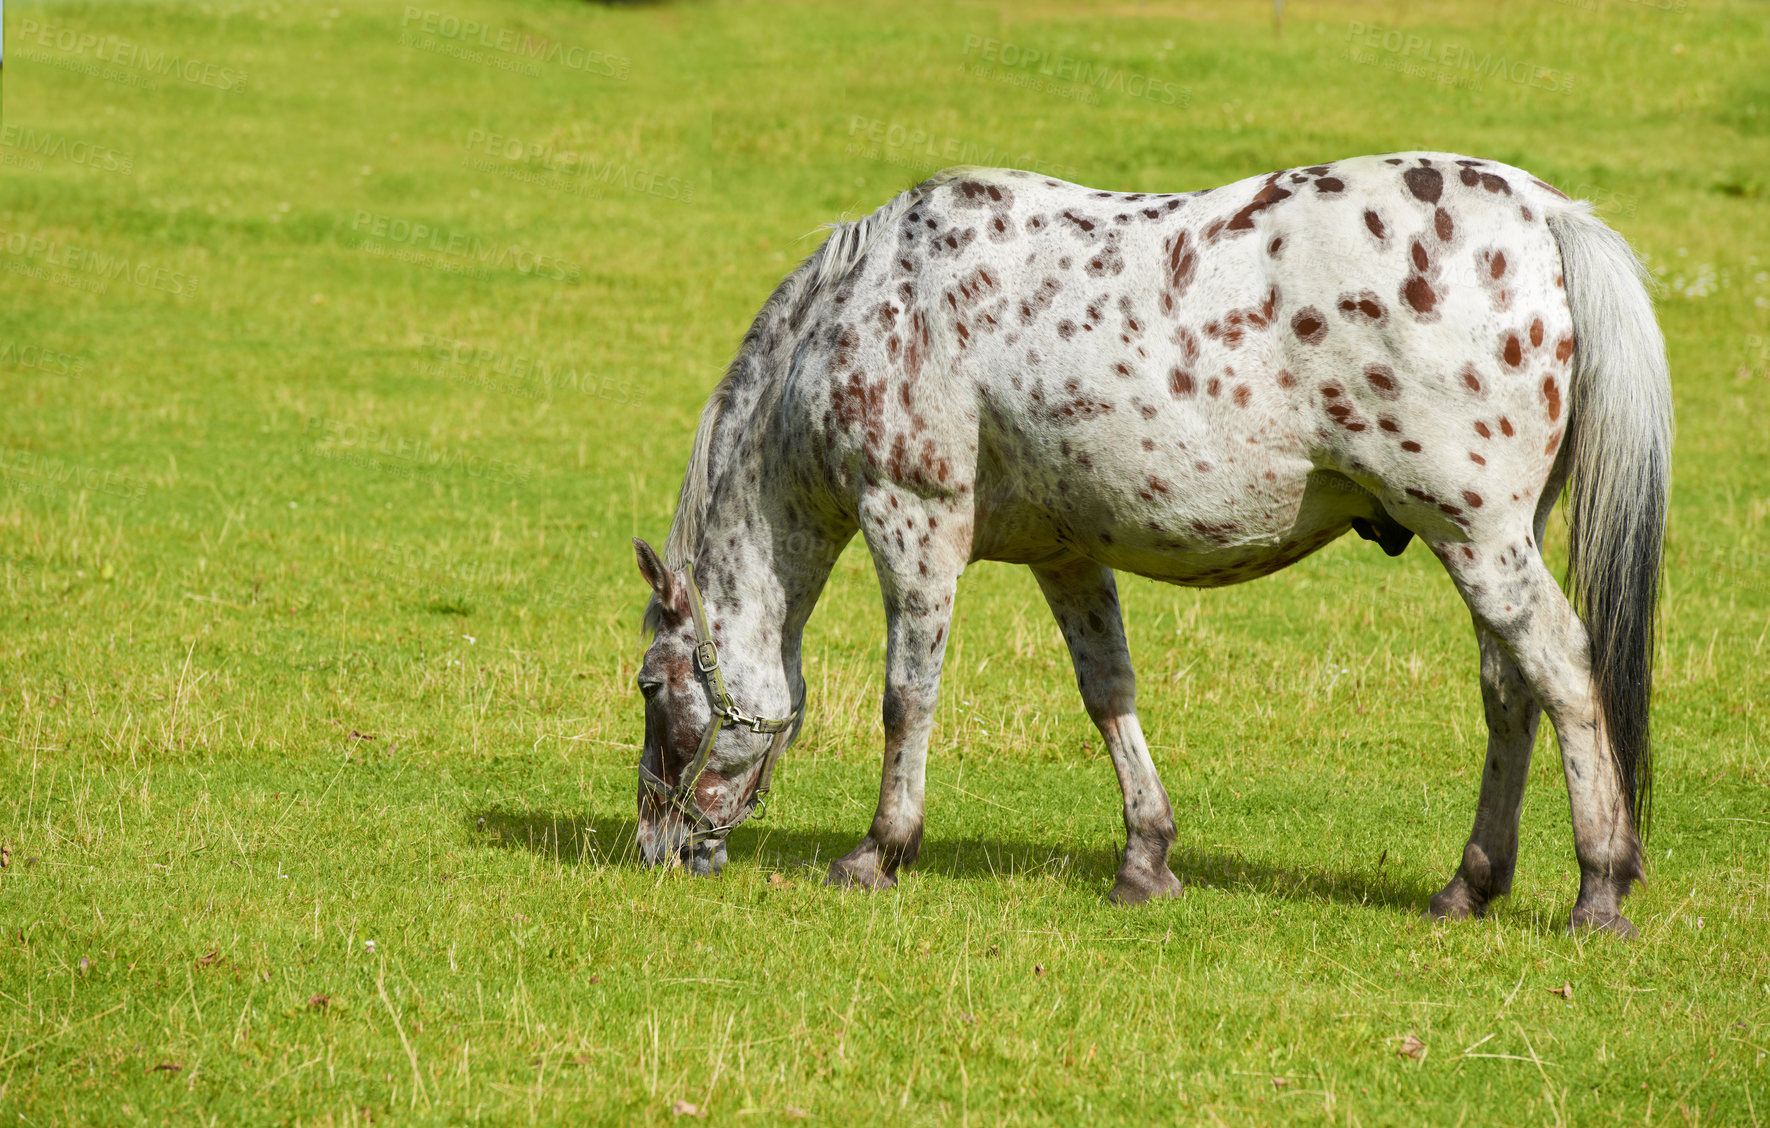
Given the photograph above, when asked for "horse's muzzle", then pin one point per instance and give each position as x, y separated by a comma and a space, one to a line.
664, 840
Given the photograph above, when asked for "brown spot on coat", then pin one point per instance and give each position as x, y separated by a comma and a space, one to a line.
1513, 351
1382, 378
1470, 378
1188, 342
1419, 294
1268, 195
1410, 446
1309, 326
1482, 430
1442, 225
1473, 498
1552, 394
1536, 332
1425, 183
1374, 222
1365, 304
1182, 263
1564, 349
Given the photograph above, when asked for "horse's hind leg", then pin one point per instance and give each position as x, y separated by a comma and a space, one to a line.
1085, 601
1516, 600
1492, 850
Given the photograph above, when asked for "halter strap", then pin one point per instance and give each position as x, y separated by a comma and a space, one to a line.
681, 798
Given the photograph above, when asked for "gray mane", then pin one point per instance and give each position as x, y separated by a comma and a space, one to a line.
759, 357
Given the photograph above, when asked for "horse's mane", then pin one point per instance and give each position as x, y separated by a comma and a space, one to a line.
757, 359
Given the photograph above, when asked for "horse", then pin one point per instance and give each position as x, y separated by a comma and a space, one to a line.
1201, 388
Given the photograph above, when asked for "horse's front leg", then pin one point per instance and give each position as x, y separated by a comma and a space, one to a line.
919, 548
1084, 599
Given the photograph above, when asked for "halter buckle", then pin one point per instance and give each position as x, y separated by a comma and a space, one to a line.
706, 656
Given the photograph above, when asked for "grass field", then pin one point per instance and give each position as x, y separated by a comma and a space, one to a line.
342, 350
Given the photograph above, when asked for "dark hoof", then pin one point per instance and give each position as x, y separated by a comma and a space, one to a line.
858, 873
1456, 901
1589, 921
1134, 889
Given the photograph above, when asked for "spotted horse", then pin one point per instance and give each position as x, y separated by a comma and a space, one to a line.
1201, 388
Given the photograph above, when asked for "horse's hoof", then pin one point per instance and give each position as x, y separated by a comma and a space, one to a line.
1134, 889
1589, 920
1456, 901
846, 873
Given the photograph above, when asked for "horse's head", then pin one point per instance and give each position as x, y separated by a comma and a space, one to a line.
706, 762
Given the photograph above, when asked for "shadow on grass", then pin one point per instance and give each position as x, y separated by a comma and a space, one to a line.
585, 841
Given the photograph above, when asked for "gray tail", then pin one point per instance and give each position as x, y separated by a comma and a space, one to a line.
1621, 435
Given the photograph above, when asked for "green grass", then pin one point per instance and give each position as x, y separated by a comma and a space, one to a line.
315, 632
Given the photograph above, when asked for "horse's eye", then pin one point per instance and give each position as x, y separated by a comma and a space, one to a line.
650, 687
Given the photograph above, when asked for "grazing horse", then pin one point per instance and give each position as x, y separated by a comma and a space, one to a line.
1201, 388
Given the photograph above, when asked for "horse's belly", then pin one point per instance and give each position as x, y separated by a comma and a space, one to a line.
1215, 516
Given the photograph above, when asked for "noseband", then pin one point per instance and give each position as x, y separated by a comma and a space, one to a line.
681, 798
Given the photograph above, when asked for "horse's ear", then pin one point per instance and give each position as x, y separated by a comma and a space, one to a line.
661, 578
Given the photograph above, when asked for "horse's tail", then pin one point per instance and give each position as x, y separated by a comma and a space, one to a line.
1620, 429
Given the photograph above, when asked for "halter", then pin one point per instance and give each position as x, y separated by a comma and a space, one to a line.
681, 798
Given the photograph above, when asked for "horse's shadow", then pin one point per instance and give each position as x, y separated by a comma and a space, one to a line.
612, 842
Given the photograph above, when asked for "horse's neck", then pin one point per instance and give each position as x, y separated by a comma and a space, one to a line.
761, 568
